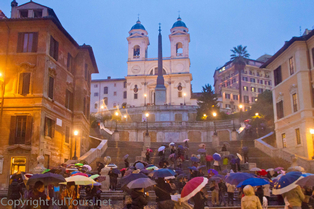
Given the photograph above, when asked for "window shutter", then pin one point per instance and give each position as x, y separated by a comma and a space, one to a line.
71, 101
56, 50
29, 128
50, 89
53, 125
21, 83
51, 46
26, 82
45, 127
12, 130
20, 42
35, 42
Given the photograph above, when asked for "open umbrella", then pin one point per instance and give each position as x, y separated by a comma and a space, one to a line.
172, 156
269, 169
180, 147
172, 144
279, 168
201, 166
186, 140
74, 172
80, 174
231, 156
116, 171
87, 167
255, 169
127, 179
125, 156
45, 171
79, 164
123, 169
195, 159
162, 148
193, 168
201, 150
209, 158
306, 181
239, 156
296, 168
253, 182
149, 150
236, 178
139, 166
164, 172
202, 145
213, 171
216, 178
287, 182
112, 165
262, 172
80, 180
192, 187
217, 156
141, 183
152, 168
47, 178
94, 176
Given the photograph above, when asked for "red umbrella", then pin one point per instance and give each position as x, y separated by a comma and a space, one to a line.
193, 187
209, 158
123, 169
80, 174
150, 150
263, 172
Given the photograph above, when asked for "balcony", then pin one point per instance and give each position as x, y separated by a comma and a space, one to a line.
136, 57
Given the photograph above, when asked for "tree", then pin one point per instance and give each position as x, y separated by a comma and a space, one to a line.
239, 60
207, 103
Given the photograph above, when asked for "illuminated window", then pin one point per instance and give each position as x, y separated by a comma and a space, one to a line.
297, 135
284, 142
291, 65
295, 103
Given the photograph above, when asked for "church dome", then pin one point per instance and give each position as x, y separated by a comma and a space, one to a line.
179, 23
137, 26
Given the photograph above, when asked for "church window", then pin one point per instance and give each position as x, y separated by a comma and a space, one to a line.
136, 52
179, 93
135, 96
179, 49
115, 93
155, 71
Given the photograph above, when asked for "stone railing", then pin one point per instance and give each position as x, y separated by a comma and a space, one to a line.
95, 153
307, 164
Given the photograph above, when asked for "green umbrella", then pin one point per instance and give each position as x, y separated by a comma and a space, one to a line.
94, 176
79, 164
46, 171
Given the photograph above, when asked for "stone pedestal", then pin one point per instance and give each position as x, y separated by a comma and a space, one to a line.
106, 183
40, 167
234, 135
116, 136
147, 143
215, 141
160, 95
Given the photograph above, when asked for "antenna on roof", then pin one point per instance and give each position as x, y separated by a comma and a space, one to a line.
138, 17
300, 31
179, 13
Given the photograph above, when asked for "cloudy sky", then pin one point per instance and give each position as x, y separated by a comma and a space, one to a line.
215, 27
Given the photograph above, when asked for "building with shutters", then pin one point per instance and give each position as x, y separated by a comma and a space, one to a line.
292, 69
46, 77
254, 82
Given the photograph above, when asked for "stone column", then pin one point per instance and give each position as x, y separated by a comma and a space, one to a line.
234, 136
116, 136
215, 141
40, 167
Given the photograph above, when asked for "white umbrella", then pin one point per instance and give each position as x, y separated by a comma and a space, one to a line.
255, 169
162, 148
186, 140
141, 183
202, 145
239, 156
112, 165
270, 169
88, 167
171, 144
80, 180
170, 177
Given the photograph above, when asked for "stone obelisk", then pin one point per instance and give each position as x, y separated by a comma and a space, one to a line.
160, 90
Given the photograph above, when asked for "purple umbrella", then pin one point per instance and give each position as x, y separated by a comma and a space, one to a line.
195, 159
237, 178
217, 156
213, 171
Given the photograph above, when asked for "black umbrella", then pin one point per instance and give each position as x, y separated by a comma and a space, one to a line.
47, 178
127, 179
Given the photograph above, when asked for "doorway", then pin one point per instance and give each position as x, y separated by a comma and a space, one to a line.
18, 165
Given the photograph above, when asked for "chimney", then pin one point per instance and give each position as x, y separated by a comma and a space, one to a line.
109, 77
14, 3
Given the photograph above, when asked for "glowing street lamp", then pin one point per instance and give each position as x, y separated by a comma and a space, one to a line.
256, 114
215, 114
116, 114
147, 115
75, 133
240, 106
184, 95
145, 95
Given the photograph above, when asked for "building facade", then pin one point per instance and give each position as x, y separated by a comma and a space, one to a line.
292, 72
46, 90
108, 94
254, 81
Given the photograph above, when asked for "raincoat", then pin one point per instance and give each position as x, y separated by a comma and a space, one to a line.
250, 201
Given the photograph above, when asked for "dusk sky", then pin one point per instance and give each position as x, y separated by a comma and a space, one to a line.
215, 27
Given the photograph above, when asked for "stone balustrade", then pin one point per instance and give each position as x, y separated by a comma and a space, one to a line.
95, 153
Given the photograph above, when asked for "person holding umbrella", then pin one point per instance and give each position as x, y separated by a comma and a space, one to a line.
230, 191
147, 155
250, 201
38, 193
113, 179
215, 193
126, 161
15, 190
163, 191
222, 192
70, 194
186, 148
139, 198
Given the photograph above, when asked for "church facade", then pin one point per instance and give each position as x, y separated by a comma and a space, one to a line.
142, 71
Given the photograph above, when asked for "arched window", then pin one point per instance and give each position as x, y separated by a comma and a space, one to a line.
179, 90
179, 49
155, 71
136, 51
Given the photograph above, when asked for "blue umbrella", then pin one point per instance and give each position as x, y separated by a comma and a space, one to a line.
201, 150
116, 171
253, 182
213, 171
200, 167
139, 166
74, 172
237, 178
193, 168
127, 179
164, 172
47, 178
287, 182
216, 156
195, 159
180, 147
215, 178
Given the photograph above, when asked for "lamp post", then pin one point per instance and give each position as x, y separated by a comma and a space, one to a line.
125, 117
215, 114
184, 95
257, 116
145, 95
312, 132
116, 114
2, 96
75, 134
240, 106
147, 115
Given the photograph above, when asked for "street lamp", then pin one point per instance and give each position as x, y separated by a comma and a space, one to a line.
240, 106
2, 96
75, 134
215, 114
256, 114
145, 95
184, 95
116, 114
312, 132
147, 115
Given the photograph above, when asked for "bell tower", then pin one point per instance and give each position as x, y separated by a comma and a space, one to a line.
138, 42
179, 39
